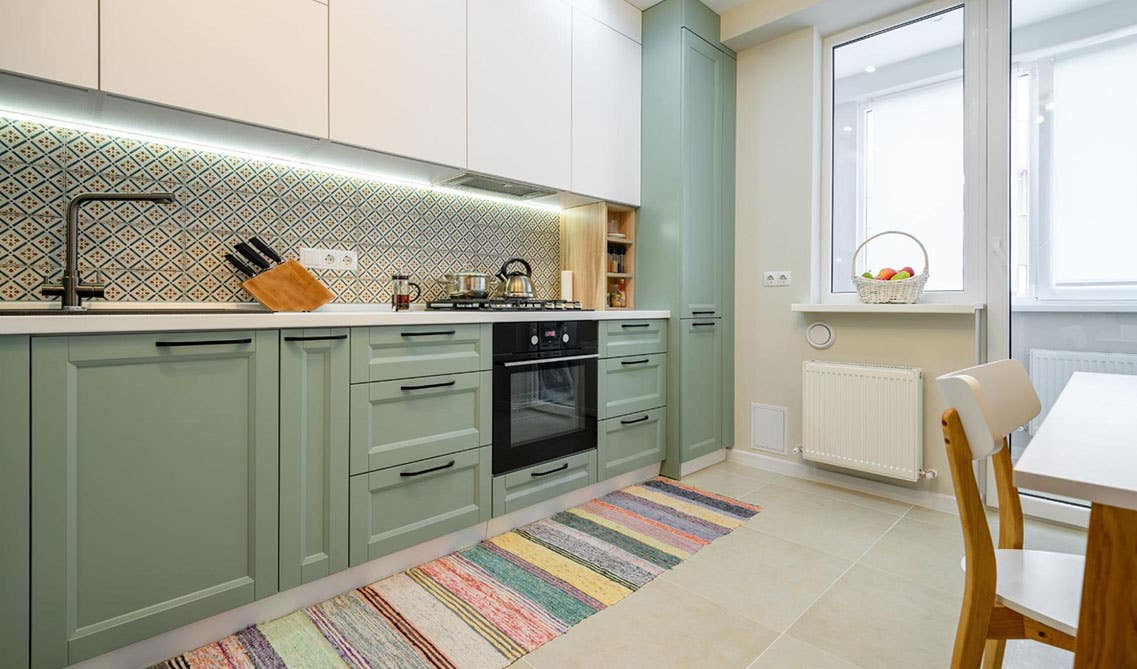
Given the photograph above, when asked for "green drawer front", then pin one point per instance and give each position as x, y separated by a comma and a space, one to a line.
632, 337
634, 441
396, 422
384, 353
525, 487
633, 383
398, 507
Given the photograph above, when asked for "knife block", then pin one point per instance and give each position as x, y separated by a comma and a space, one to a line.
288, 287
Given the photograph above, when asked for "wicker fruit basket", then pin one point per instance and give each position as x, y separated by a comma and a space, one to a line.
900, 291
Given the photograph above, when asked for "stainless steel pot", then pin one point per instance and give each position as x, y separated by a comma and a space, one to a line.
475, 285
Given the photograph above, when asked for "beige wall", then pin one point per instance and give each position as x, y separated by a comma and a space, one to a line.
777, 213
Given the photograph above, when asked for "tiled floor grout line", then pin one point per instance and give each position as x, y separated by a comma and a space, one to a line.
822, 594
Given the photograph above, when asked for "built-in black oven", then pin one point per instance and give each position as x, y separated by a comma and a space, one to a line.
544, 391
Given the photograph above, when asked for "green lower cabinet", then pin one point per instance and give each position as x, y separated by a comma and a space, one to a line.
314, 396
395, 422
398, 507
619, 338
700, 390
525, 487
390, 352
630, 442
15, 472
634, 383
154, 485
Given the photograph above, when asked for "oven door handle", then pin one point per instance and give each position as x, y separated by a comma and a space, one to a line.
542, 361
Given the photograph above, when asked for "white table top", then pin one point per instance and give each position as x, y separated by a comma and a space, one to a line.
1087, 445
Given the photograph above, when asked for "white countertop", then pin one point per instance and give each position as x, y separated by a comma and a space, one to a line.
1087, 445
334, 316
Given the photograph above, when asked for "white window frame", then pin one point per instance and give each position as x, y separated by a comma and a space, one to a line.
975, 152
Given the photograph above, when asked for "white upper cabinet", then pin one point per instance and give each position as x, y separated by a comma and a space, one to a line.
520, 85
259, 61
605, 112
51, 39
397, 75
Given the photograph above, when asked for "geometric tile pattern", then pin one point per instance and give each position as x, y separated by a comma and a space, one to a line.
175, 253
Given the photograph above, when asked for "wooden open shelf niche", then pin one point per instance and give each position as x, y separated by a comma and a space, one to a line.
587, 234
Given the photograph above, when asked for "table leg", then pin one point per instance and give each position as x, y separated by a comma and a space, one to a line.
1107, 622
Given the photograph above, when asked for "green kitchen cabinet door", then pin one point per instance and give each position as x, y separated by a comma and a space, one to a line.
526, 487
700, 392
618, 338
15, 491
314, 397
399, 507
154, 484
704, 78
400, 352
630, 384
630, 442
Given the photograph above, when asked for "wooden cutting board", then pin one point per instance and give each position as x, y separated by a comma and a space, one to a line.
288, 287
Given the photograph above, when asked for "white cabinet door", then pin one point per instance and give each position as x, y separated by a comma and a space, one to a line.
51, 39
259, 61
605, 112
520, 71
397, 76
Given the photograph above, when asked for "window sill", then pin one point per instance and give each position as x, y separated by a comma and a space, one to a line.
918, 308
1074, 306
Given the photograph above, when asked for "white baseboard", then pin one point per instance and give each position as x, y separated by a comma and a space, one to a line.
702, 462
155, 649
926, 498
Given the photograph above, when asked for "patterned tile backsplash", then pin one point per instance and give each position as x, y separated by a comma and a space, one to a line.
156, 253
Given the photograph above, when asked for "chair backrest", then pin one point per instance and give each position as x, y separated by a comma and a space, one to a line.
992, 400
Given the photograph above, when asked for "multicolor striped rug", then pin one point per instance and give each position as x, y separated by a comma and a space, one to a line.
487, 605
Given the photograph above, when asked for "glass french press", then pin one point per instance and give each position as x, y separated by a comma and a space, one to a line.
401, 292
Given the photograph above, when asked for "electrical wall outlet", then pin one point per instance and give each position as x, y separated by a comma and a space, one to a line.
333, 259
777, 278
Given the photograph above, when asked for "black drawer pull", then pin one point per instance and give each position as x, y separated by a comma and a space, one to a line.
317, 338
634, 420
635, 362
434, 333
702, 313
429, 385
551, 471
439, 468
703, 325
204, 342
635, 325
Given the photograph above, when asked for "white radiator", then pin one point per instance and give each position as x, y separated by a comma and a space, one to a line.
1050, 370
864, 417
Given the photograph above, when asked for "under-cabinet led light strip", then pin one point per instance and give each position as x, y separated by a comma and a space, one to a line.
245, 155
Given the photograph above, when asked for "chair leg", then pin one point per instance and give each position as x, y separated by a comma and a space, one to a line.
971, 633
993, 653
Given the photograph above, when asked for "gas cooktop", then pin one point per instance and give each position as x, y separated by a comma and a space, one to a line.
503, 304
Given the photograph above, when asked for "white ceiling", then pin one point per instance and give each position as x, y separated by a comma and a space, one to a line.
895, 46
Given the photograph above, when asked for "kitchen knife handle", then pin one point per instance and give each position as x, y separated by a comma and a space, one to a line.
241, 266
251, 255
265, 249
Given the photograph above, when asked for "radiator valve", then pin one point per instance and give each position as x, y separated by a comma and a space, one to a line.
928, 474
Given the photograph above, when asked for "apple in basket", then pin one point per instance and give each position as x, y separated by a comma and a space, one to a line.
911, 272
900, 276
885, 274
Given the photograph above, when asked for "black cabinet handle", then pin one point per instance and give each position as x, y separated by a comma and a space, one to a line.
703, 325
317, 338
702, 313
429, 385
436, 333
204, 342
551, 471
634, 420
635, 325
439, 468
635, 362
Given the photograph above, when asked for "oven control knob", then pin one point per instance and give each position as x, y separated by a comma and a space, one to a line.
565, 337
533, 340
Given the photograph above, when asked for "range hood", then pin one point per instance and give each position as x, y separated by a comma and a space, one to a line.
480, 183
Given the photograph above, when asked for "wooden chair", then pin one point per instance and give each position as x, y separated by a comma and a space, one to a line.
1010, 593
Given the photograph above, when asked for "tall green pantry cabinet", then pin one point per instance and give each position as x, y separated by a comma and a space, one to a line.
154, 484
685, 238
15, 535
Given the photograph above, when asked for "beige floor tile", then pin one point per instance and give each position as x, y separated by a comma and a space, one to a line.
850, 496
877, 619
1033, 655
926, 552
732, 479
824, 523
790, 653
1037, 534
769, 580
660, 626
